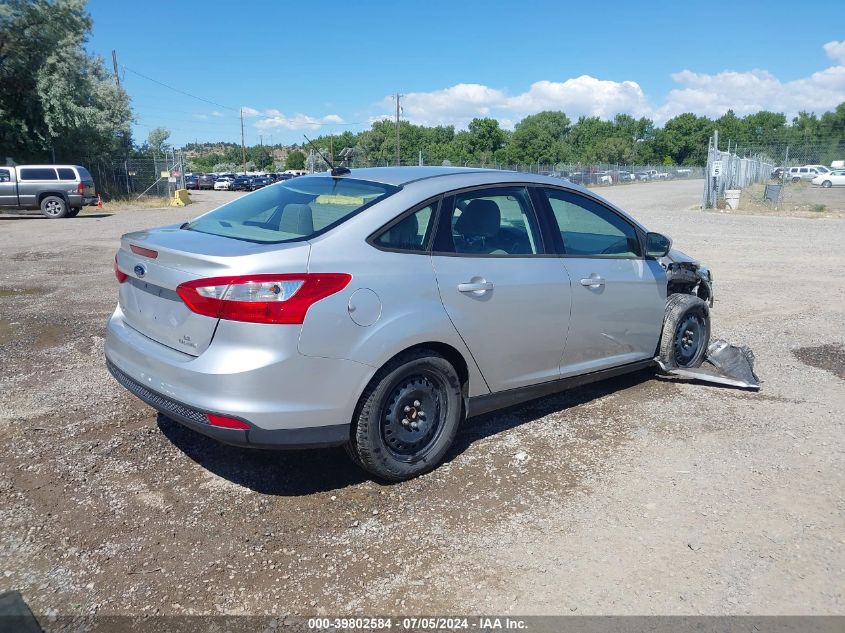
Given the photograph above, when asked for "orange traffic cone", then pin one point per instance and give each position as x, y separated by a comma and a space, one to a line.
99, 201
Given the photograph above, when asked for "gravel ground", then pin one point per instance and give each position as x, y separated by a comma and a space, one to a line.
640, 495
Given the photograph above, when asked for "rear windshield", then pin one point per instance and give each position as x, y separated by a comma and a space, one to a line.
84, 174
291, 210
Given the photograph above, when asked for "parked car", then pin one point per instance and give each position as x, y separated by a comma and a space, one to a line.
807, 172
834, 178
777, 173
235, 324
260, 181
241, 183
192, 182
205, 181
625, 176
57, 191
223, 183
603, 178
643, 175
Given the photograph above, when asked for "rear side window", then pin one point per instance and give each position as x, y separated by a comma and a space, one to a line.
66, 174
38, 173
411, 233
293, 210
588, 229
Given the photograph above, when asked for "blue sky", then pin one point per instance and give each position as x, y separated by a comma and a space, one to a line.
318, 67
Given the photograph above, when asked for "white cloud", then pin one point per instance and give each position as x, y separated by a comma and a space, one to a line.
273, 118
582, 96
836, 51
216, 113
456, 105
704, 94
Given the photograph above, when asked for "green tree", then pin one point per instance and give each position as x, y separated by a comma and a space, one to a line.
55, 99
295, 160
540, 137
157, 140
484, 139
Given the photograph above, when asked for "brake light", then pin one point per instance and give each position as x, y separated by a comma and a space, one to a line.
226, 423
81, 187
283, 299
121, 276
144, 252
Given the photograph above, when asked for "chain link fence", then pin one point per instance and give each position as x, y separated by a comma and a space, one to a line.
132, 178
741, 166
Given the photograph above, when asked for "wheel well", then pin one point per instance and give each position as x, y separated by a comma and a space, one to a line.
44, 194
449, 353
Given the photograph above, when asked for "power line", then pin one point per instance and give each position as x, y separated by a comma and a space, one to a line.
169, 87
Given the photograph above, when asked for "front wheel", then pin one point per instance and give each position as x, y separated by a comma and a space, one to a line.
796, 179
827, 184
407, 417
686, 331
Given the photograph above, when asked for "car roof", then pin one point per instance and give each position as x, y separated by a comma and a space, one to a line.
456, 176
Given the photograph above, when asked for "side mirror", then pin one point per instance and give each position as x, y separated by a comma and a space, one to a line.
657, 245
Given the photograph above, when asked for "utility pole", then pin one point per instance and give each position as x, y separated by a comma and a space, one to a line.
398, 159
114, 64
261, 140
243, 148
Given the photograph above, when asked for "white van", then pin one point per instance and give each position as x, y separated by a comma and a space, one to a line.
807, 172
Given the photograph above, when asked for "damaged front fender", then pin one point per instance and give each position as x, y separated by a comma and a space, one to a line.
686, 275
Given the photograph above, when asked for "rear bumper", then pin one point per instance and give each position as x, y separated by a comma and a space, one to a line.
319, 436
251, 372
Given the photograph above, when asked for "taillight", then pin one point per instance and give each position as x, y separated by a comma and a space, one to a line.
121, 276
81, 188
261, 298
225, 422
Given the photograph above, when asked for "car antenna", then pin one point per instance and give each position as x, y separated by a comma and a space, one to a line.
335, 171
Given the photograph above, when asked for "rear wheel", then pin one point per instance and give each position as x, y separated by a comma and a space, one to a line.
408, 416
827, 184
54, 207
686, 331
796, 179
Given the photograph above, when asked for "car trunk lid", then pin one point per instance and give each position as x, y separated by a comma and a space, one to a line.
157, 261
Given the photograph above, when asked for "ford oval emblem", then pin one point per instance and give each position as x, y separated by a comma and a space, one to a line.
140, 270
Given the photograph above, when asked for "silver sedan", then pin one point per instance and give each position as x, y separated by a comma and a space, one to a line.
378, 308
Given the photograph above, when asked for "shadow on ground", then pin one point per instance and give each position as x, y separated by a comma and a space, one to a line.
305, 472
86, 216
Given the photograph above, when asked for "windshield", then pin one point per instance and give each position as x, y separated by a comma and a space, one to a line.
291, 210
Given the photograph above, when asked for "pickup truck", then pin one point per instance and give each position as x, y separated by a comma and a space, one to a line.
57, 191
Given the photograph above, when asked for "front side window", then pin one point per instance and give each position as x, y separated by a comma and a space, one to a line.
589, 229
411, 233
38, 173
498, 221
5, 176
293, 210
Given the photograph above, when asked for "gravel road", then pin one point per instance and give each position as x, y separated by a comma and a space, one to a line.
640, 495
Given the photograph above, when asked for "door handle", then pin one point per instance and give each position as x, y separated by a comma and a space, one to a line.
479, 287
593, 281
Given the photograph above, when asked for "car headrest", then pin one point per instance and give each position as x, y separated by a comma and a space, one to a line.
481, 218
297, 219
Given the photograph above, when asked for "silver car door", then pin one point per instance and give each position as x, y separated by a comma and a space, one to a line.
618, 296
508, 301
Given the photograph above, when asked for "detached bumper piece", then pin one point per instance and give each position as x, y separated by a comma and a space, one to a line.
224, 428
724, 364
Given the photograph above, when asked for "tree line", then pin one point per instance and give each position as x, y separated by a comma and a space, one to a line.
550, 138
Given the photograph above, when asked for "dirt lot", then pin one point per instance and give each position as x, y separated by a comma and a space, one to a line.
636, 496
799, 200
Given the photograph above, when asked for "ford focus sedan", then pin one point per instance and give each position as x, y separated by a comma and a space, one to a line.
378, 308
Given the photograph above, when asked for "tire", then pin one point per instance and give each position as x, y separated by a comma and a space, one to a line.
54, 207
73, 212
796, 179
407, 417
686, 331
827, 184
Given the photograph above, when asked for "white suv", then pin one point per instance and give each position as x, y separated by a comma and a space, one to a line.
807, 172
